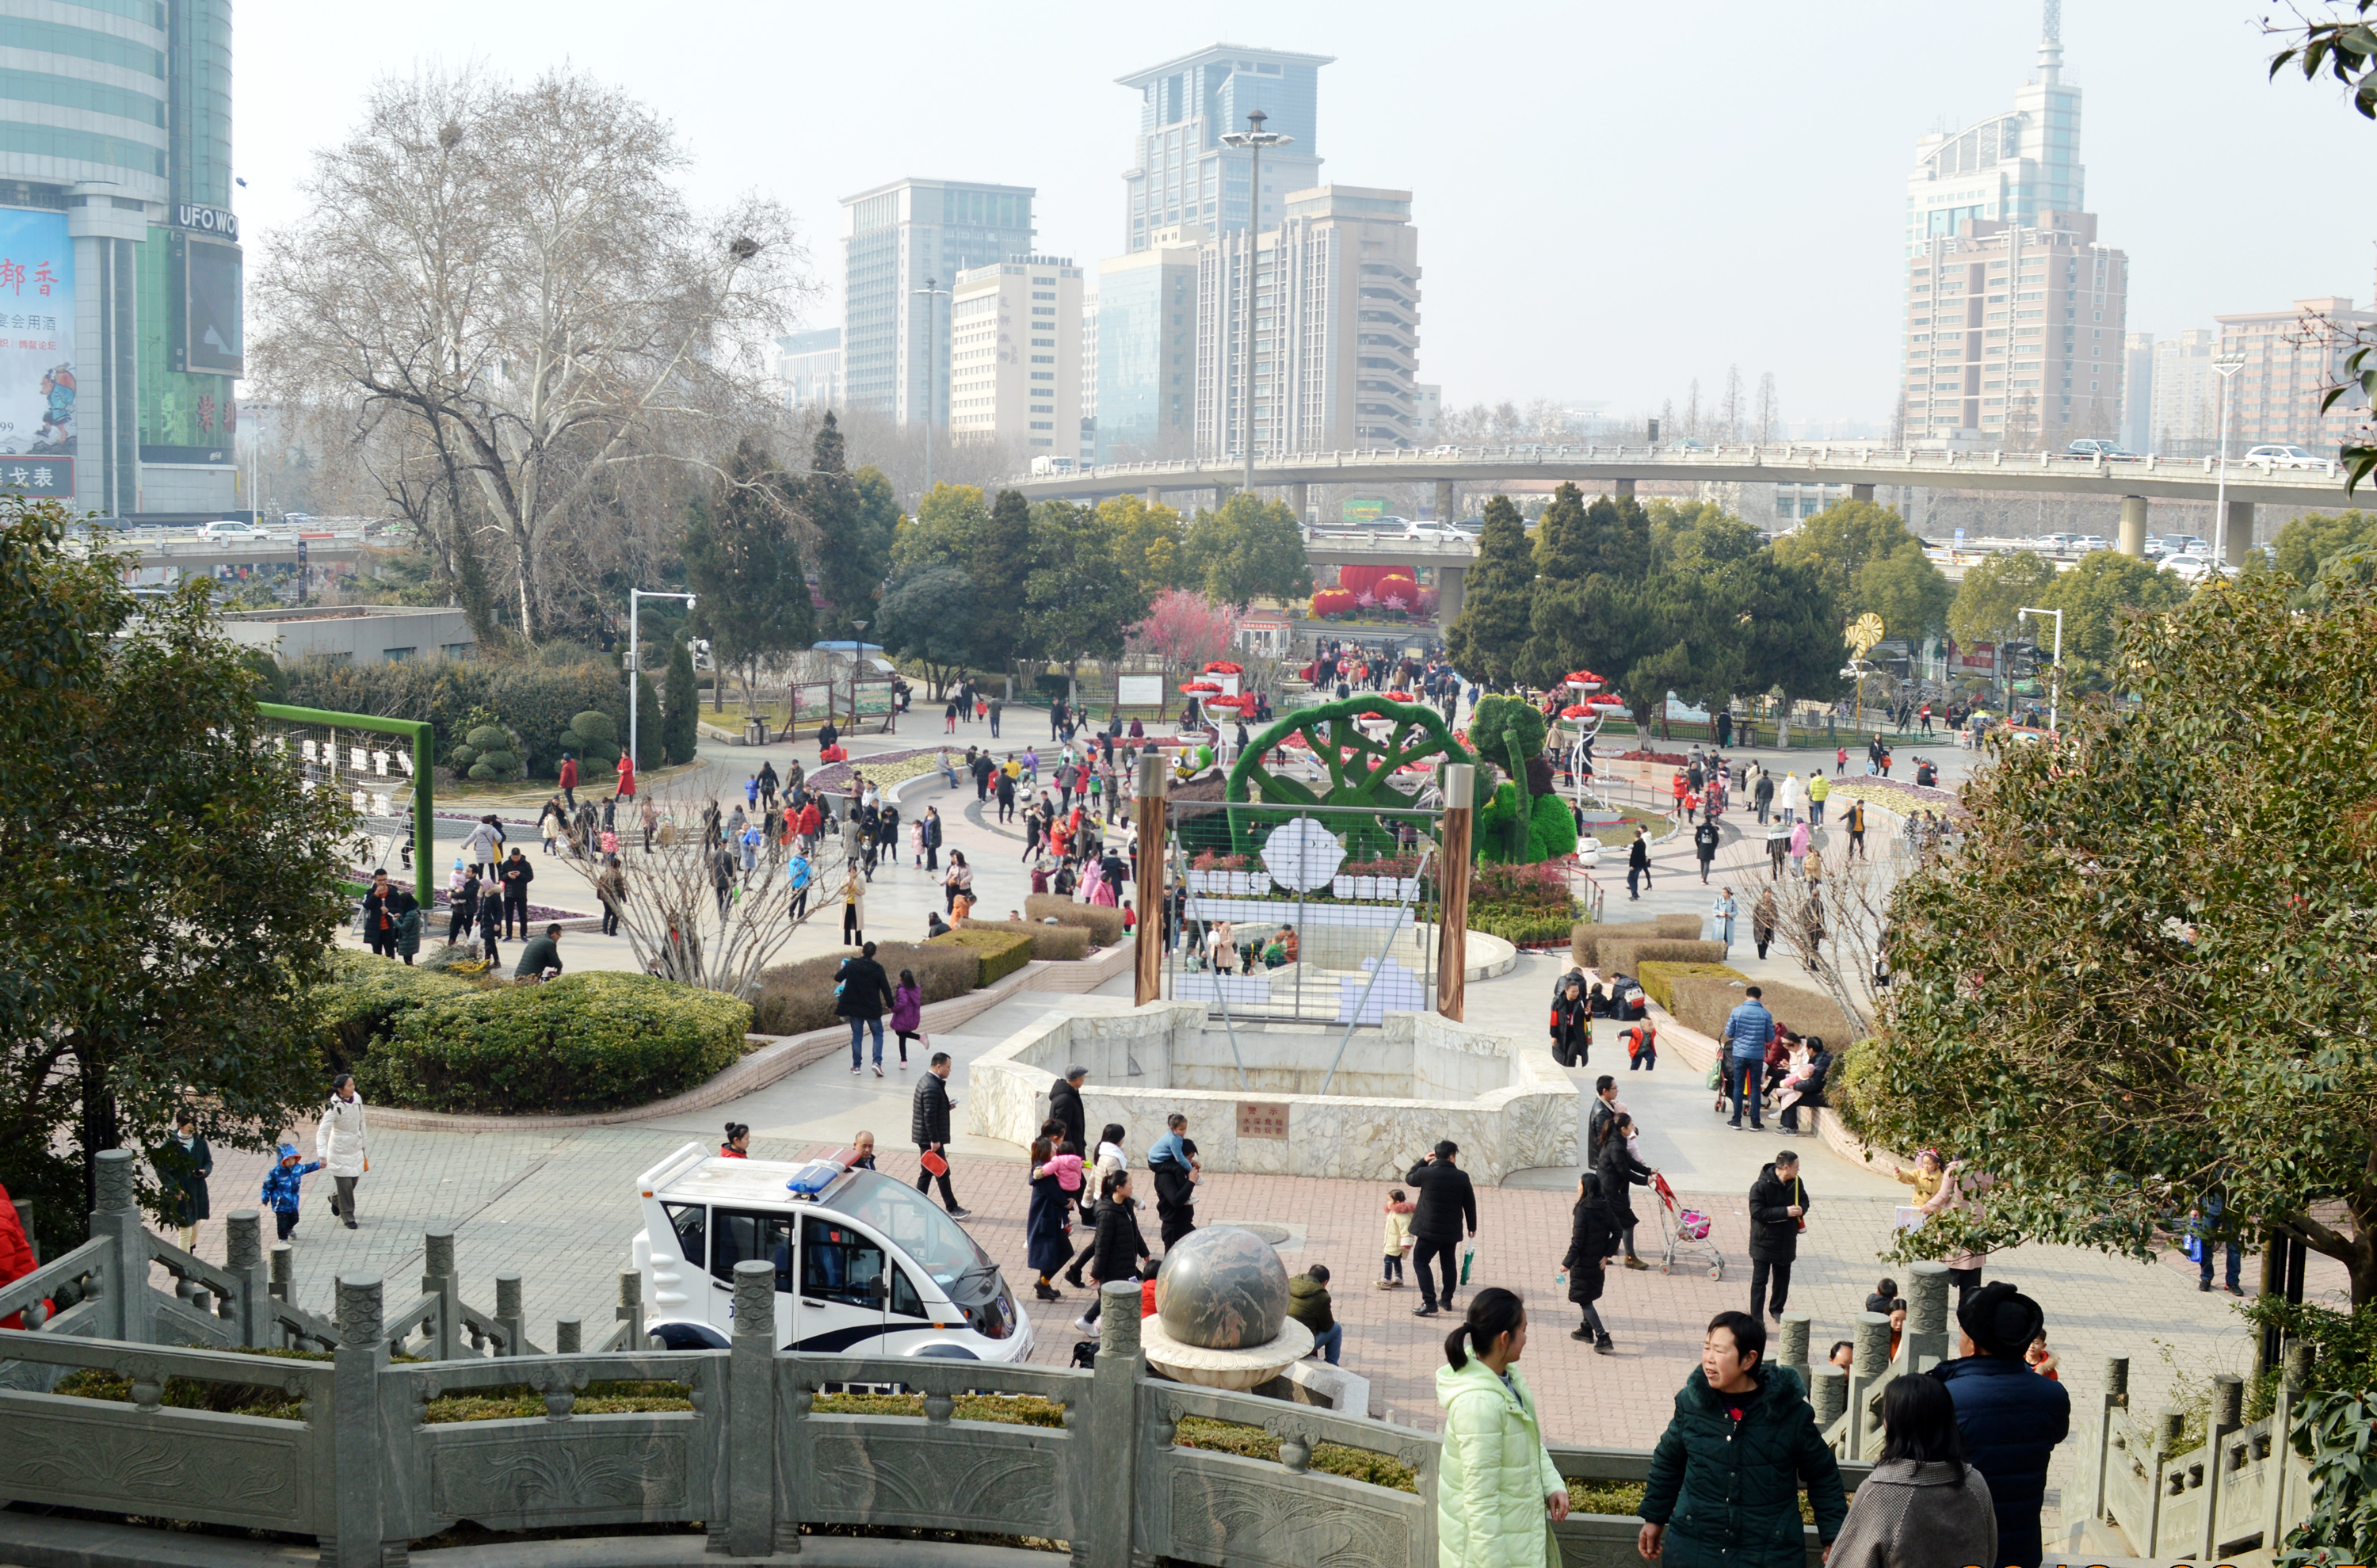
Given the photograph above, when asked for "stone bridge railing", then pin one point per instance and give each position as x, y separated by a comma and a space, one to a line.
753, 1459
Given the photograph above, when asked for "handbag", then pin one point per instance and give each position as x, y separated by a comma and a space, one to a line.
933, 1163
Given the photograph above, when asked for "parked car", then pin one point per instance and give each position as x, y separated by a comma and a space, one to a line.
229, 531
2056, 543
2194, 566
2087, 542
864, 1264
2111, 451
2284, 455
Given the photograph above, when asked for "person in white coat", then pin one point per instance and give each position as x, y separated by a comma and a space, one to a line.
1788, 797
339, 1144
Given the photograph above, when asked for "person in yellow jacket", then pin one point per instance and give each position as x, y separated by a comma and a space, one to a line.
1819, 787
1497, 1492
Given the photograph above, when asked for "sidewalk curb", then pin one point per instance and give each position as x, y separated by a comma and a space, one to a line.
785, 1054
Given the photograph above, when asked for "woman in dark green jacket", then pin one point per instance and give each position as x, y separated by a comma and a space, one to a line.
1724, 1480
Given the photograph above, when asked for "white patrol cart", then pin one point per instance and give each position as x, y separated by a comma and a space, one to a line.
866, 1265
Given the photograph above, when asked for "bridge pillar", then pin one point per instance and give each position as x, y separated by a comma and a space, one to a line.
1222, 493
1444, 500
2133, 525
2240, 533
1450, 583
1621, 488
1299, 500
1154, 496
1860, 492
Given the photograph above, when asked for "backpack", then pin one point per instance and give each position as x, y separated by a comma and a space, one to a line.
1085, 1353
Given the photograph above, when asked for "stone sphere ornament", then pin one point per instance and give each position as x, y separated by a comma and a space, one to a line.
1222, 1288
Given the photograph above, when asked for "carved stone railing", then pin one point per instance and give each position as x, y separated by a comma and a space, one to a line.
2238, 1491
356, 1464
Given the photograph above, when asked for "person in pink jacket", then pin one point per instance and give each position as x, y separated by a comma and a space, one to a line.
907, 1014
1799, 848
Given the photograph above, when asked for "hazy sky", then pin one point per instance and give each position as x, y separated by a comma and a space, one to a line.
1611, 199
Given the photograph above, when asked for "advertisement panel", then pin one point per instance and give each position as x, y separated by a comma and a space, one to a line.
1139, 691
37, 372
1363, 509
1980, 659
211, 308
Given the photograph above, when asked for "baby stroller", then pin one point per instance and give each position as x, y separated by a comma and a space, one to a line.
1685, 1232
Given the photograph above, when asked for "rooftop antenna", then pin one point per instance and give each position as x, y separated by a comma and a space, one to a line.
2050, 41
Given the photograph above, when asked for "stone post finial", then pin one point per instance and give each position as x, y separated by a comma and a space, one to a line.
1873, 1335
243, 1238
438, 1248
1793, 1350
755, 1299
1830, 1394
360, 1327
1118, 1320
507, 1295
1927, 1304
117, 1192
2117, 1382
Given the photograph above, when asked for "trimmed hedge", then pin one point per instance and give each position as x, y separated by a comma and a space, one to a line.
594, 1041
367, 997
538, 700
1002, 950
1703, 1000
1053, 944
1658, 979
796, 997
1585, 945
1104, 925
1628, 957
1524, 927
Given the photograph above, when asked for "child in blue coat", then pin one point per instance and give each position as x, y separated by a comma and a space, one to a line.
281, 1185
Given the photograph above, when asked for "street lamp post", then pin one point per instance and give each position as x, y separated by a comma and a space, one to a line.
1254, 138
2227, 365
931, 291
2055, 682
636, 596
860, 628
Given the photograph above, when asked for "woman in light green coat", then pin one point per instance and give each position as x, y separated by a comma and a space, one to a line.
1497, 1491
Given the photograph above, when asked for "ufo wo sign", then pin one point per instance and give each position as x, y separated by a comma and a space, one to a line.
1302, 855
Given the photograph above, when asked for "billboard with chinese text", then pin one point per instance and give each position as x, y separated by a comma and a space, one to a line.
37, 357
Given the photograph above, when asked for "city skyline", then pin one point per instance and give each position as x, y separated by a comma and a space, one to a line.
1532, 295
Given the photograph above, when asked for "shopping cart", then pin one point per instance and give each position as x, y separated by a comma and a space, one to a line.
1685, 1231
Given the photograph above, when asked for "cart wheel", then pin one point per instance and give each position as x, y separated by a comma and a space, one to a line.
1716, 1271
1667, 1268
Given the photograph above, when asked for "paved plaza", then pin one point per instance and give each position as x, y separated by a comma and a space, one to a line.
558, 1207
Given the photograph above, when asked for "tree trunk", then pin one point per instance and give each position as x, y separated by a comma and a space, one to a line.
101, 1125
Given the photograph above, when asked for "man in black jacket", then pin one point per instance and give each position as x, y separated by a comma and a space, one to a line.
2010, 1418
928, 1124
1778, 1208
866, 992
1638, 865
516, 874
1064, 1109
1704, 847
1446, 1204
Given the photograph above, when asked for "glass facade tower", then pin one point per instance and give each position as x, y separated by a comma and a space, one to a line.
1180, 173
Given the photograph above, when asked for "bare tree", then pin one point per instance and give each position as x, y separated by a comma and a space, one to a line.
1770, 417
1731, 413
693, 914
513, 274
1835, 926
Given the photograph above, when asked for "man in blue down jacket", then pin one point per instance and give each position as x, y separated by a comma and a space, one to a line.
2010, 1417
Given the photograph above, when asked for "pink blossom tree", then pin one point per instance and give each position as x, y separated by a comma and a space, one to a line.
1183, 627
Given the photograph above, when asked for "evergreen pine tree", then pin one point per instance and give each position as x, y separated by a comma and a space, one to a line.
854, 545
678, 736
652, 736
1487, 638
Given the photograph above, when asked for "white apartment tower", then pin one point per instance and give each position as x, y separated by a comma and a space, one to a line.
1336, 327
1015, 355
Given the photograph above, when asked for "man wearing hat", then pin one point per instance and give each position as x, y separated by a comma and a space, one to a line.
2010, 1417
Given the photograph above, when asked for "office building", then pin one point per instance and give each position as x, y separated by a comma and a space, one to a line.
2014, 335
1147, 348
1089, 371
1015, 355
120, 260
2186, 393
2011, 168
2291, 358
898, 241
2137, 392
1180, 173
1336, 327
808, 364
1428, 411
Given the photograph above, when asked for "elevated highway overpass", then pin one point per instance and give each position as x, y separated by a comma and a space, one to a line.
2135, 482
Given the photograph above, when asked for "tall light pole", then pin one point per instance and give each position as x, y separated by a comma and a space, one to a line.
636, 596
860, 628
931, 290
2055, 684
1254, 138
2227, 365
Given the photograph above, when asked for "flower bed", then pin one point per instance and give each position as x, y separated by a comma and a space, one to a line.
1672, 759
884, 769
1899, 796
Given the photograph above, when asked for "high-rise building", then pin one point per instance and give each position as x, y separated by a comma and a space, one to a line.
2137, 392
899, 242
1336, 317
2013, 335
1147, 348
120, 261
2186, 392
809, 366
2011, 168
1015, 355
2291, 358
1180, 173
1428, 411
1089, 371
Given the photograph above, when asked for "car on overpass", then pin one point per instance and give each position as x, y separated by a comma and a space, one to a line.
1434, 532
2111, 451
2285, 455
2087, 542
229, 531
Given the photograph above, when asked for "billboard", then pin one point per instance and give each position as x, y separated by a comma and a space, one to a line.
211, 309
36, 368
1363, 509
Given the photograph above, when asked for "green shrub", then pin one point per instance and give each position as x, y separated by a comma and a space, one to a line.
796, 997
1585, 945
363, 998
1002, 952
1104, 925
1052, 944
595, 1041
1658, 978
537, 697
1524, 927
487, 738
